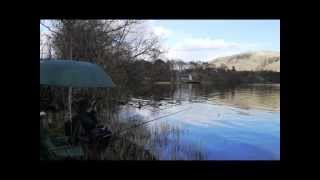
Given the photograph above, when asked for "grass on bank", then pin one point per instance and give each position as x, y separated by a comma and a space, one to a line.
140, 143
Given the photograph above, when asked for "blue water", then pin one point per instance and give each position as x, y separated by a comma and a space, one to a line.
241, 124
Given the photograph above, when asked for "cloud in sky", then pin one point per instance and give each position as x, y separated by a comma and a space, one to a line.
188, 47
204, 49
162, 31
204, 41
195, 44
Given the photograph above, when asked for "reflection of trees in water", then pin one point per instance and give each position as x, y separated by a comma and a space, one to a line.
190, 92
246, 97
254, 97
153, 92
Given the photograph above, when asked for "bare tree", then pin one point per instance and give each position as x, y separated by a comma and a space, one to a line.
113, 44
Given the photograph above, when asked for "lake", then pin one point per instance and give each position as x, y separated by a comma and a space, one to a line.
240, 123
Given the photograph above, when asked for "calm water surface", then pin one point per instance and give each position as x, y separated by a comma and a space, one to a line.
226, 124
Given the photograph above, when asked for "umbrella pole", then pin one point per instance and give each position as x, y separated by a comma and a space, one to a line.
69, 106
70, 91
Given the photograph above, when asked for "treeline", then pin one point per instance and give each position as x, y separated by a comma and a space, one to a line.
142, 72
222, 76
174, 71
234, 78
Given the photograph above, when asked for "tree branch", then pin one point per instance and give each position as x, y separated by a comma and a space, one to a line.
44, 25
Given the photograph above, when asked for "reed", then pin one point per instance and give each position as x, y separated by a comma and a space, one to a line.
141, 143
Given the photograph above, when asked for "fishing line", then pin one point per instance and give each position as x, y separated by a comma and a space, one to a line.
135, 126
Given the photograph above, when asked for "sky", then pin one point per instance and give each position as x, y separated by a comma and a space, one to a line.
205, 40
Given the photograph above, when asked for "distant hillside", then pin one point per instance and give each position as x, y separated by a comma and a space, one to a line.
251, 61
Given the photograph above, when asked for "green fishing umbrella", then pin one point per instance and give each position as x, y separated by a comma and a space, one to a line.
70, 73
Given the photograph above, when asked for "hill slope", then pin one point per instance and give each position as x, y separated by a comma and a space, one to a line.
251, 61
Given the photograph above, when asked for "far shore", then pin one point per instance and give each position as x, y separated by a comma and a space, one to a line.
255, 84
162, 82
263, 84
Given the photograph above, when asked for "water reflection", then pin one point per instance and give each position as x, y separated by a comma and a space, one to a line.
230, 124
265, 97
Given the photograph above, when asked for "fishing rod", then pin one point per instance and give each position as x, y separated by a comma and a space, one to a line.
135, 126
